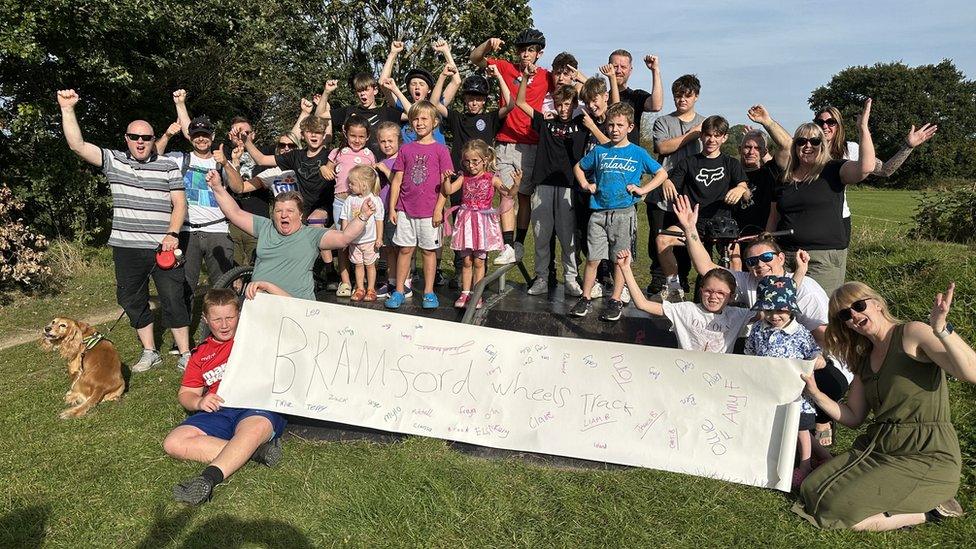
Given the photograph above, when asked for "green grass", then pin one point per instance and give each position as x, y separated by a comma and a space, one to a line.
103, 481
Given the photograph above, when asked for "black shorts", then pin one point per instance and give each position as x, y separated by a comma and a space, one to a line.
133, 268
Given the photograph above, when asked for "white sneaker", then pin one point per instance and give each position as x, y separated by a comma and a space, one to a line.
572, 288
597, 291
540, 286
149, 359
625, 295
506, 256
184, 360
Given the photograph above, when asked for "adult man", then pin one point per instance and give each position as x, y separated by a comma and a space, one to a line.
642, 101
148, 208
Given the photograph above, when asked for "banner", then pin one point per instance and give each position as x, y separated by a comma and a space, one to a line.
730, 417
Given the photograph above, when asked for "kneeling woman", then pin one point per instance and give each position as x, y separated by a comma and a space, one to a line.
905, 469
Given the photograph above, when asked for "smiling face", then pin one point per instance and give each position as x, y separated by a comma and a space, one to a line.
712, 143
777, 319
622, 67
356, 137
828, 124
597, 105
715, 295
202, 142
140, 148
287, 217
564, 109
423, 123
776, 266
222, 320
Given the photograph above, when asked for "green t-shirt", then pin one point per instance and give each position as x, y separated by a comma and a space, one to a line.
287, 260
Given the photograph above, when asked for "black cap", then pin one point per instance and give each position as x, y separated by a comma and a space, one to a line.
201, 124
422, 74
475, 85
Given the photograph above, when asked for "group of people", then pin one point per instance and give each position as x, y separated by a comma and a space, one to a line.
562, 154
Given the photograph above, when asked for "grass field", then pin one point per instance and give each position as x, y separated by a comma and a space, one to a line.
103, 481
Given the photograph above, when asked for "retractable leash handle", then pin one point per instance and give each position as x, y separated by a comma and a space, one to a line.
168, 259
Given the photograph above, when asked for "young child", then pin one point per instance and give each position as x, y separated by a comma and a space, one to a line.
711, 326
616, 168
477, 230
565, 72
714, 181
419, 171
364, 185
388, 140
419, 82
475, 122
778, 334
366, 87
224, 438
341, 161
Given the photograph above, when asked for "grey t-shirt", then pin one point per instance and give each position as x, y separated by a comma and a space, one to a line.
667, 127
287, 261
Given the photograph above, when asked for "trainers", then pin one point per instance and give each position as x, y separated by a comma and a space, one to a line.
385, 290
946, 509
439, 278
625, 295
174, 350
462, 300
184, 360
370, 295
149, 359
672, 295
407, 290
268, 453
582, 307
539, 287
194, 491
572, 288
519, 251
597, 291
613, 310
343, 290
506, 256
430, 301
394, 301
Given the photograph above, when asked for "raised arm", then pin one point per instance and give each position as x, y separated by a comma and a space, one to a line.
334, 240
324, 108
636, 293
67, 99
395, 48
782, 138
688, 219
505, 103
437, 94
304, 111
607, 70
914, 139
228, 206
857, 171
950, 352
520, 101
163, 140
802, 265
234, 180
261, 159
441, 46
390, 87
480, 53
655, 102
182, 114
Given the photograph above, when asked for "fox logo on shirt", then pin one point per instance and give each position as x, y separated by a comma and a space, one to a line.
707, 176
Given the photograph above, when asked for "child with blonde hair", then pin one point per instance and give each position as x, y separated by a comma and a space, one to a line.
364, 185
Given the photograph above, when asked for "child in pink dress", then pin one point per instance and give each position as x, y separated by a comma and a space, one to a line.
477, 230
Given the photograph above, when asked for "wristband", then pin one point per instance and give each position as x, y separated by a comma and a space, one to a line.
361, 218
173, 234
946, 332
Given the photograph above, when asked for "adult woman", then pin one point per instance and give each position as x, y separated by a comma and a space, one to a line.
286, 248
905, 469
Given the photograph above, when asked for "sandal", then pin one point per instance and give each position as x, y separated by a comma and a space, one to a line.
825, 436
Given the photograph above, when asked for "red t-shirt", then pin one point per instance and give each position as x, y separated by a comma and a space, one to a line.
517, 127
206, 366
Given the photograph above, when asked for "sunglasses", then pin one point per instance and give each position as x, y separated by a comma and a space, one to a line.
765, 257
140, 137
825, 122
858, 306
802, 141
287, 146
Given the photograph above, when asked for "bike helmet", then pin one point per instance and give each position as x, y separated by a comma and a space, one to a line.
422, 74
530, 37
475, 85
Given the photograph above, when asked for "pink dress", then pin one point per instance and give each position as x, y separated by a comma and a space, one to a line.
476, 227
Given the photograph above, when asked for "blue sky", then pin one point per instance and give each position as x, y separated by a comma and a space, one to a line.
758, 52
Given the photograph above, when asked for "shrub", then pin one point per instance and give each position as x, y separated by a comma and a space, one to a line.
22, 251
947, 214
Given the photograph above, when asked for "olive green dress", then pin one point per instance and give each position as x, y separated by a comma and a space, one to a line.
907, 461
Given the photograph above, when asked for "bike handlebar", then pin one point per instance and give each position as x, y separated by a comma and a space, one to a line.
680, 234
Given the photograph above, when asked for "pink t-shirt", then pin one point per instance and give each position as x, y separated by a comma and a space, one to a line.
422, 166
347, 159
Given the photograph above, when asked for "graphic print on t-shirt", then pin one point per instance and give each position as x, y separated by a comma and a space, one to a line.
214, 375
480, 124
418, 173
197, 191
707, 176
284, 183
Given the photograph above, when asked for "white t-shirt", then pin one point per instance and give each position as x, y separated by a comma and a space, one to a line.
350, 209
279, 181
201, 202
700, 330
810, 298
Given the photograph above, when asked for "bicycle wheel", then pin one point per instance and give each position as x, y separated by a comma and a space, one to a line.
236, 279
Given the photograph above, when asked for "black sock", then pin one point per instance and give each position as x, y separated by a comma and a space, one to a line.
520, 235
508, 237
213, 474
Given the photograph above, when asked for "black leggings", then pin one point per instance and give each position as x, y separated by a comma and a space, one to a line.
832, 382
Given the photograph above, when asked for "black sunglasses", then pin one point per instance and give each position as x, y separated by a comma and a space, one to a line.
765, 257
140, 136
802, 141
858, 306
287, 145
825, 122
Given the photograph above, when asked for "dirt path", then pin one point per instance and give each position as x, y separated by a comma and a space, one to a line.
103, 316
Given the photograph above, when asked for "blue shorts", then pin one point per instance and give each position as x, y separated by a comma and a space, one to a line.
223, 422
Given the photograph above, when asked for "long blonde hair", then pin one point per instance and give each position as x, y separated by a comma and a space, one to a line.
844, 343
808, 130
838, 146
484, 150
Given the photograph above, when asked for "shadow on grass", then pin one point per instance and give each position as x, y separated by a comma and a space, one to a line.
24, 527
221, 531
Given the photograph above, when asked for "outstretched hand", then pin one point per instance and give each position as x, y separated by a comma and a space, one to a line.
921, 135
686, 214
759, 115
862, 121
940, 309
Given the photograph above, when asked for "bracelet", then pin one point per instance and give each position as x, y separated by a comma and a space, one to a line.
361, 218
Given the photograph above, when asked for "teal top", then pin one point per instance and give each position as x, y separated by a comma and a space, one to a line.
287, 261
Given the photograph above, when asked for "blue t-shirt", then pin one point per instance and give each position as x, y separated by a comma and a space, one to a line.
612, 169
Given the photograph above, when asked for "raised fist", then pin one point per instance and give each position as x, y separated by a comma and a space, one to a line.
331, 85
396, 46
306, 106
179, 96
67, 98
607, 70
651, 62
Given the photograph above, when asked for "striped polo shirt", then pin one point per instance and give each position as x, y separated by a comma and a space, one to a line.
141, 205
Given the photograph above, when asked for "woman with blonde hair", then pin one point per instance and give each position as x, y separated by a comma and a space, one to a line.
904, 470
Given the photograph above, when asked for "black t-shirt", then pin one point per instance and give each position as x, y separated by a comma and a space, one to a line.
560, 147
377, 114
636, 99
259, 201
465, 127
814, 211
752, 219
706, 180
316, 191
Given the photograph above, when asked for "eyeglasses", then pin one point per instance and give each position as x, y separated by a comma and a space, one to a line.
802, 141
765, 257
140, 137
286, 146
825, 122
858, 306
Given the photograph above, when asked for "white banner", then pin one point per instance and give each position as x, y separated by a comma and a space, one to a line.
722, 416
